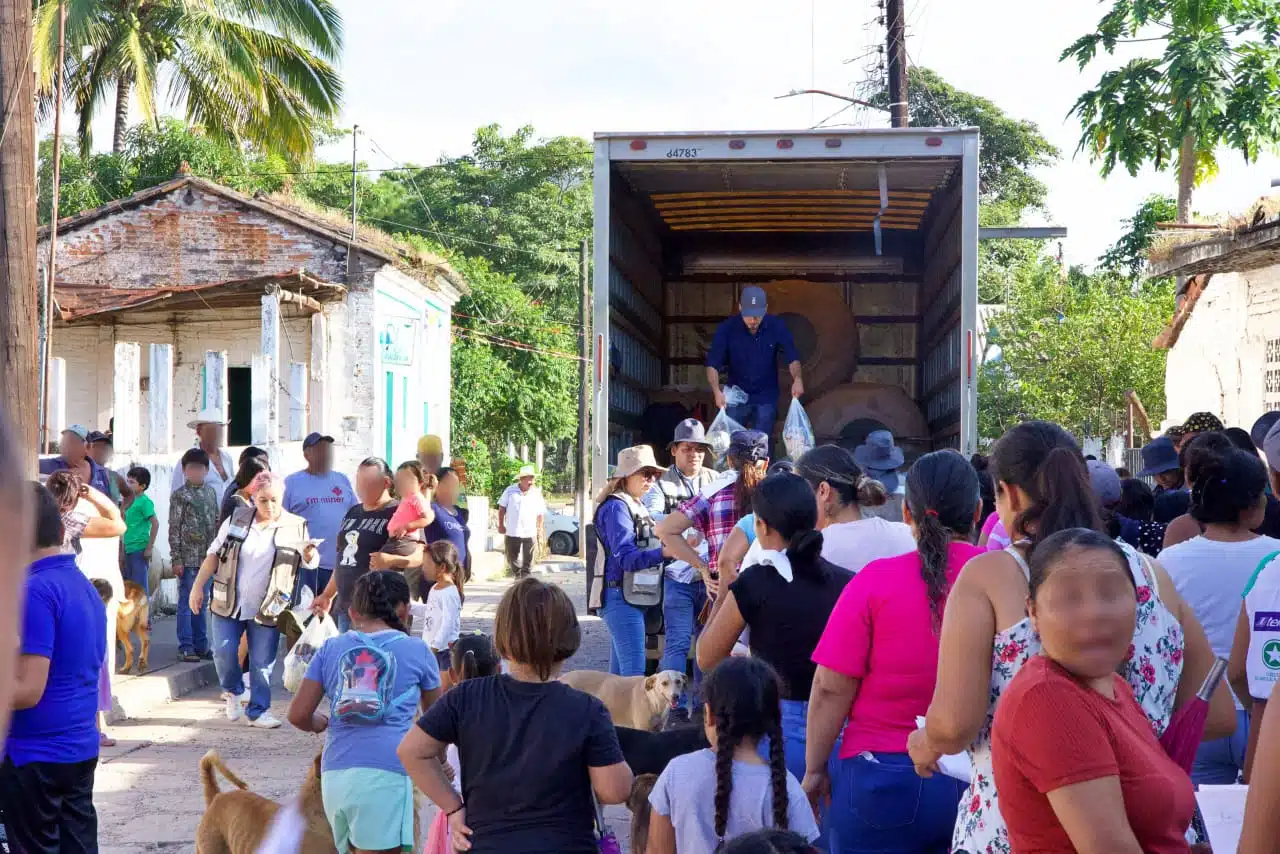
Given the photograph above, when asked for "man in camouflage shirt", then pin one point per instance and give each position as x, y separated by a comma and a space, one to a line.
193, 523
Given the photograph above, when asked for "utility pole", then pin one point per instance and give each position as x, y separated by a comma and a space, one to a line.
896, 53
355, 132
584, 394
46, 313
18, 282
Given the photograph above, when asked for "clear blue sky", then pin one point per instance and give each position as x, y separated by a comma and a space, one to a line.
421, 76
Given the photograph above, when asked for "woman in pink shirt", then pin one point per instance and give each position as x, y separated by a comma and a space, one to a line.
877, 661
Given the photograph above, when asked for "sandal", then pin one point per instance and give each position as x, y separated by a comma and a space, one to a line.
105, 740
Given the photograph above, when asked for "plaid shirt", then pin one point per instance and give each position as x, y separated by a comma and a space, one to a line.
714, 518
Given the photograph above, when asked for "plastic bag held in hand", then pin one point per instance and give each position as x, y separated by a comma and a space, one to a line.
735, 396
313, 636
720, 432
797, 432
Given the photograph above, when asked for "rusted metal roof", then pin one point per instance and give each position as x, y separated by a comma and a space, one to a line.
93, 301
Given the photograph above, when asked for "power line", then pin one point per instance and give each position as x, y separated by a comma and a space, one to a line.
495, 341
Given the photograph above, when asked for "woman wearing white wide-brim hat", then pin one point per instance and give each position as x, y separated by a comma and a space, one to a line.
210, 427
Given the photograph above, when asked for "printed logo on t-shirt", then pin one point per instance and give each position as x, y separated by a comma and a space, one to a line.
353, 546
335, 498
366, 679
1271, 654
1266, 621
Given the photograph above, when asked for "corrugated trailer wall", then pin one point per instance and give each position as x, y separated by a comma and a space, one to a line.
942, 339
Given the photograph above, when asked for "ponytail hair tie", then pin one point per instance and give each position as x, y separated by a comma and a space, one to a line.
931, 512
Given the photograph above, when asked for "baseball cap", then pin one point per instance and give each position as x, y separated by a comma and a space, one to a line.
96, 436
430, 444
754, 303
79, 430
1271, 447
315, 439
1263, 426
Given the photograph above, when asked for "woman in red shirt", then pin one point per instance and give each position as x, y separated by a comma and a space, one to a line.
1076, 763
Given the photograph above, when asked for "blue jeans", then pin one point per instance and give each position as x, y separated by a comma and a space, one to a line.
882, 806
193, 635
1220, 762
264, 642
681, 604
138, 570
757, 416
626, 634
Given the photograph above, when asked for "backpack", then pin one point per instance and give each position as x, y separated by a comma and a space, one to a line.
366, 679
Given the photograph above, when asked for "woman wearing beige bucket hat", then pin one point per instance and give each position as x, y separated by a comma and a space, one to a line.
629, 561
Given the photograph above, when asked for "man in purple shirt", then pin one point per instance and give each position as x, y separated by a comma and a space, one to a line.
74, 445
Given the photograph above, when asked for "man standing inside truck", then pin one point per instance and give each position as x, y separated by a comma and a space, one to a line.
747, 347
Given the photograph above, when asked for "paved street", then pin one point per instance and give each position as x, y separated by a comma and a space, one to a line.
148, 789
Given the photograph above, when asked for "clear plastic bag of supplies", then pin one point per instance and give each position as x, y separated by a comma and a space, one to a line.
720, 432
313, 636
797, 432
734, 396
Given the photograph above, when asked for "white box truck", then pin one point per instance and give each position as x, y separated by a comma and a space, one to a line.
865, 241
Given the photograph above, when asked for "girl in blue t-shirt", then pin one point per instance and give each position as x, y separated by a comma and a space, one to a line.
375, 676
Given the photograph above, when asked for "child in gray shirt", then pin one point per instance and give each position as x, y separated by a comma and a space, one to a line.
741, 711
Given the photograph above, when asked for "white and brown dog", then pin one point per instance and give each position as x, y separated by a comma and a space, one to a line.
638, 702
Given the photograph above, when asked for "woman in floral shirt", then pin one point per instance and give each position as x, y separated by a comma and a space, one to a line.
1042, 486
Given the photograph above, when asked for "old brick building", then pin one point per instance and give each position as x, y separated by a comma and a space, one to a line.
188, 295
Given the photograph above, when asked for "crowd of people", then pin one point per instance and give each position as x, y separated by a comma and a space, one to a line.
1023, 654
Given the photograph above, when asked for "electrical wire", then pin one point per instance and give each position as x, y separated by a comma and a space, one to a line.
496, 341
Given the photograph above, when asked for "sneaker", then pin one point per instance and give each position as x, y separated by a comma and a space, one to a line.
190, 657
235, 708
205, 656
247, 684
265, 721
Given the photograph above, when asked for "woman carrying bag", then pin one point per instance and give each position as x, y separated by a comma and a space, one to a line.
632, 555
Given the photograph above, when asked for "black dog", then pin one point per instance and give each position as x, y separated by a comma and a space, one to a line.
649, 752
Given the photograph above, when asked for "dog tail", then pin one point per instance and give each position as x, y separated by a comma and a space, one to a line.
210, 764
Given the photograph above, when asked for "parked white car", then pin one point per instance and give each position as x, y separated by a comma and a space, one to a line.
562, 532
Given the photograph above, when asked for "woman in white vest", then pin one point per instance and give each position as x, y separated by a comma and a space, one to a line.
632, 556
256, 555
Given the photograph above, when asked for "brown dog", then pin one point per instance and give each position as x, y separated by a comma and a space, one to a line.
134, 616
236, 822
638, 803
633, 701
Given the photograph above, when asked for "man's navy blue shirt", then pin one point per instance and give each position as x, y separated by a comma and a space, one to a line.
99, 477
752, 360
64, 621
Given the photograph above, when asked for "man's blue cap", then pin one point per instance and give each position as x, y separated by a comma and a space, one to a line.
315, 439
754, 303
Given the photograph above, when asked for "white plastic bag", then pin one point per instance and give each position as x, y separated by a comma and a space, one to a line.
313, 636
720, 432
734, 396
797, 432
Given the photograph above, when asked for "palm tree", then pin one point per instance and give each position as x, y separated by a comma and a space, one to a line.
256, 71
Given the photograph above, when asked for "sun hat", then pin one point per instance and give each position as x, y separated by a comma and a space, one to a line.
749, 445
1105, 482
1263, 426
1159, 456
526, 471
635, 459
207, 416
754, 303
878, 453
430, 444
690, 430
1202, 422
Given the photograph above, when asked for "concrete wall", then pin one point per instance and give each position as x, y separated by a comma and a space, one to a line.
88, 351
1219, 363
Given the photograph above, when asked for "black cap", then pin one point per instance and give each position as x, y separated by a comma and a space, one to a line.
96, 436
315, 439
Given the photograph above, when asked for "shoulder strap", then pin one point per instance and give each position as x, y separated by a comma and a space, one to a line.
1012, 551
1149, 573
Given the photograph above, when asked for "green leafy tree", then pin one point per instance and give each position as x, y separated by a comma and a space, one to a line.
1128, 256
1012, 150
1070, 347
258, 71
1211, 78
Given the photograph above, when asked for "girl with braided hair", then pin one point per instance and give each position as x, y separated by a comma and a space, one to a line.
742, 711
375, 677
877, 664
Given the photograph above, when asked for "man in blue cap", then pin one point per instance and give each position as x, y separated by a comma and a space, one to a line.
747, 347
1160, 462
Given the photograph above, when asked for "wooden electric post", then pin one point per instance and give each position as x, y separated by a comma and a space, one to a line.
19, 360
896, 58
583, 484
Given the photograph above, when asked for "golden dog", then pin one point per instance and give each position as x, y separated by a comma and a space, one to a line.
638, 702
134, 616
236, 821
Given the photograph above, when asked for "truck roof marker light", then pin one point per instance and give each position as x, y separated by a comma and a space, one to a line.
639, 145
833, 143
737, 144
785, 144
933, 141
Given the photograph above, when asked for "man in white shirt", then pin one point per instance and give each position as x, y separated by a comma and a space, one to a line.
211, 434
520, 512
